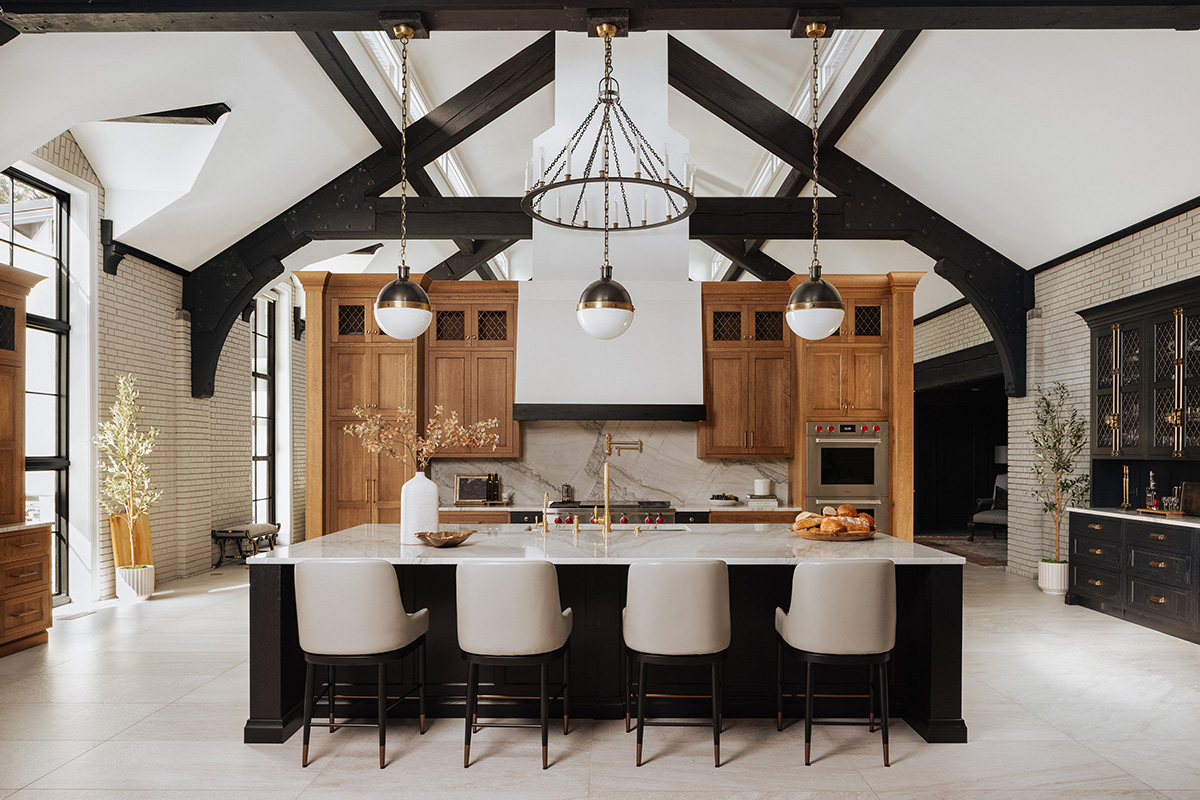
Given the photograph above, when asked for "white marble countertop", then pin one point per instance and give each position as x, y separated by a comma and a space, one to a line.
732, 543
1159, 519
22, 526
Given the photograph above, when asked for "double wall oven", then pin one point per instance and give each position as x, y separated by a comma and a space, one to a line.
848, 463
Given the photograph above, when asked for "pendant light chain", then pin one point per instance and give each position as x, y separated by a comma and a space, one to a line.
815, 267
403, 150
607, 135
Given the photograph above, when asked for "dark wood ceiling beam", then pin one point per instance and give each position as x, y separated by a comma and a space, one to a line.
53, 16
757, 263
344, 75
216, 291
485, 272
460, 265
1000, 289
732, 273
422, 183
7, 34
885, 54
194, 115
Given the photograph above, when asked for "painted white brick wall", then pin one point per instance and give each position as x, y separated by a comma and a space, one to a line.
298, 408
953, 331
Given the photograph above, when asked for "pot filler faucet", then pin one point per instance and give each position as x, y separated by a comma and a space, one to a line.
609, 445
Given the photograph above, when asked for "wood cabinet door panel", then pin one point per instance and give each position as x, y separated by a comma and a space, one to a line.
389, 476
393, 372
727, 426
347, 479
449, 386
725, 325
349, 380
770, 404
868, 393
350, 320
492, 397
493, 325
824, 381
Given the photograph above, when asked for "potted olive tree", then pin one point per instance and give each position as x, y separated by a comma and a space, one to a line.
125, 487
1058, 438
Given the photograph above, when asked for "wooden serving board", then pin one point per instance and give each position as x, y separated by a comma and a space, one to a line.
818, 535
1160, 511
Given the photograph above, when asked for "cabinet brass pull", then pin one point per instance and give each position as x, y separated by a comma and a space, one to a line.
1156, 599
25, 575
1158, 536
1158, 564
26, 614
1095, 551
23, 545
1095, 582
1095, 526
751, 439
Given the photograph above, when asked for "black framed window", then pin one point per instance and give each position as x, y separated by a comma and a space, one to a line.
262, 410
33, 237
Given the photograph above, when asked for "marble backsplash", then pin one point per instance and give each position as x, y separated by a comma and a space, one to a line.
573, 452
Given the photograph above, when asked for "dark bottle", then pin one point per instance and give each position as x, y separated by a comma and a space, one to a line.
1152, 499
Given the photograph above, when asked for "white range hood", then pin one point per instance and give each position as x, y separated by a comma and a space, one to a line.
655, 369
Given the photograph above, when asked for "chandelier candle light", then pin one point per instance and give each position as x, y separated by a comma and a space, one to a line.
605, 309
402, 309
815, 310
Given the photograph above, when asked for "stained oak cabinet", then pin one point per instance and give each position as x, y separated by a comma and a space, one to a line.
747, 372
846, 381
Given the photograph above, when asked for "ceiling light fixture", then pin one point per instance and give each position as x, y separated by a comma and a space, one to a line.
815, 310
402, 308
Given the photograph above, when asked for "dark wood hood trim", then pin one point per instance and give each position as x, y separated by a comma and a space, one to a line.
608, 412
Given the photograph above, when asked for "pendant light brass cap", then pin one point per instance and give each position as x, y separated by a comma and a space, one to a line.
815, 30
607, 30
404, 32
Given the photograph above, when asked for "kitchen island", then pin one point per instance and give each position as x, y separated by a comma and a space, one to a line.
926, 672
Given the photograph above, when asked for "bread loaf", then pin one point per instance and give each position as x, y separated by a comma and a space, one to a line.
870, 520
829, 511
847, 510
833, 525
806, 520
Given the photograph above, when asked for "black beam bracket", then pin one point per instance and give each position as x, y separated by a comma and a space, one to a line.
617, 17
298, 324
388, 20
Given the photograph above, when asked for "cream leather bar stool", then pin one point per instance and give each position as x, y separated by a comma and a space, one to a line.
676, 613
509, 615
843, 612
350, 614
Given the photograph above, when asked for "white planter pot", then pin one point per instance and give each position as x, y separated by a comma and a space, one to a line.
135, 583
1052, 578
418, 508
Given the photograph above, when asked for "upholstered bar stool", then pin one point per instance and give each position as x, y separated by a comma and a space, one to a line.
843, 612
509, 615
350, 614
676, 613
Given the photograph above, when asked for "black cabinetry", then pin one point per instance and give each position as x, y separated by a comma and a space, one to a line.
1137, 569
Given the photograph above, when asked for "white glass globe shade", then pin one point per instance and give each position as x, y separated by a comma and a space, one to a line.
403, 323
815, 323
604, 323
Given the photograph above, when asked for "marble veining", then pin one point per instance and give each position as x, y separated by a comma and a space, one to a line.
732, 543
573, 452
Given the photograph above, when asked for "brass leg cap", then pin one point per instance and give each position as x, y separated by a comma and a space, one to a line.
422, 724
545, 758
807, 754
466, 756
304, 756
886, 761
639, 754
627, 728
565, 724
381, 756
779, 721
716, 755
871, 722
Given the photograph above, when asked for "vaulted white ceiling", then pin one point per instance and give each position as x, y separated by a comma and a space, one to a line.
1036, 142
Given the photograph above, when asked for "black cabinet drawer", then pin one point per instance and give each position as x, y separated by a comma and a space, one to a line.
694, 517
1097, 583
1097, 552
1158, 565
1157, 600
1095, 526
517, 517
1160, 537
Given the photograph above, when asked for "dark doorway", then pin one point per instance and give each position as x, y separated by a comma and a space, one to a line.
958, 428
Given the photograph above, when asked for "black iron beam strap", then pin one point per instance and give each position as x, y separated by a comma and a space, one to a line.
56, 16
216, 291
1000, 289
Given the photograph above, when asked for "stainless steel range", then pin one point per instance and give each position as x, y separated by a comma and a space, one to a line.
625, 512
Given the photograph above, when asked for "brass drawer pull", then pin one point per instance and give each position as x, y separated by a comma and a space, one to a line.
1095, 551
1158, 564
25, 575
1156, 599
1095, 526
1095, 582
26, 614
23, 545
1158, 536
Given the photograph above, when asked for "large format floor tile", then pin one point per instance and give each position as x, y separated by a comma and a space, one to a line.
146, 701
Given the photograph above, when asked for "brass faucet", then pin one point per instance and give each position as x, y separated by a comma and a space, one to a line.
609, 444
606, 520
545, 523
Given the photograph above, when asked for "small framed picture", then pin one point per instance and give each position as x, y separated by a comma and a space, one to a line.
470, 490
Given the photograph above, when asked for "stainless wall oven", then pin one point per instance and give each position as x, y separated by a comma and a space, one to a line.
848, 463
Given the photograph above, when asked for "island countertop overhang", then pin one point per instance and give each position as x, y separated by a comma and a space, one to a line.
761, 544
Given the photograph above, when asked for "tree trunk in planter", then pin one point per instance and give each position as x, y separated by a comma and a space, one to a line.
118, 527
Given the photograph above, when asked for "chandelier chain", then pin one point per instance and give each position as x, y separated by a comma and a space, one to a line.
403, 149
607, 133
816, 263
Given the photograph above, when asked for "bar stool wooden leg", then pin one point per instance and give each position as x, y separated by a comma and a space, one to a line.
641, 708
883, 710
332, 692
716, 713
421, 690
871, 701
566, 689
628, 687
308, 710
545, 674
808, 712
472, 690
778, 685
382, 692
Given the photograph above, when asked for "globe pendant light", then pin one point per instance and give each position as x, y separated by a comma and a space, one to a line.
402, 308
605, 309
815, 310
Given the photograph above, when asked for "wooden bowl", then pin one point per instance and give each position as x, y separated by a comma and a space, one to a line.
818, 535
444, 538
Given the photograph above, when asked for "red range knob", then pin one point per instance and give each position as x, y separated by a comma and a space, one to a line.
558, 520
877, 429
864, 428
658, 521
624, 520
649, 521
820, 428
593, 520
568, 520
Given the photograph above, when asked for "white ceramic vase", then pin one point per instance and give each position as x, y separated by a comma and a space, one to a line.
418, 508
1052, 578
135, 583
